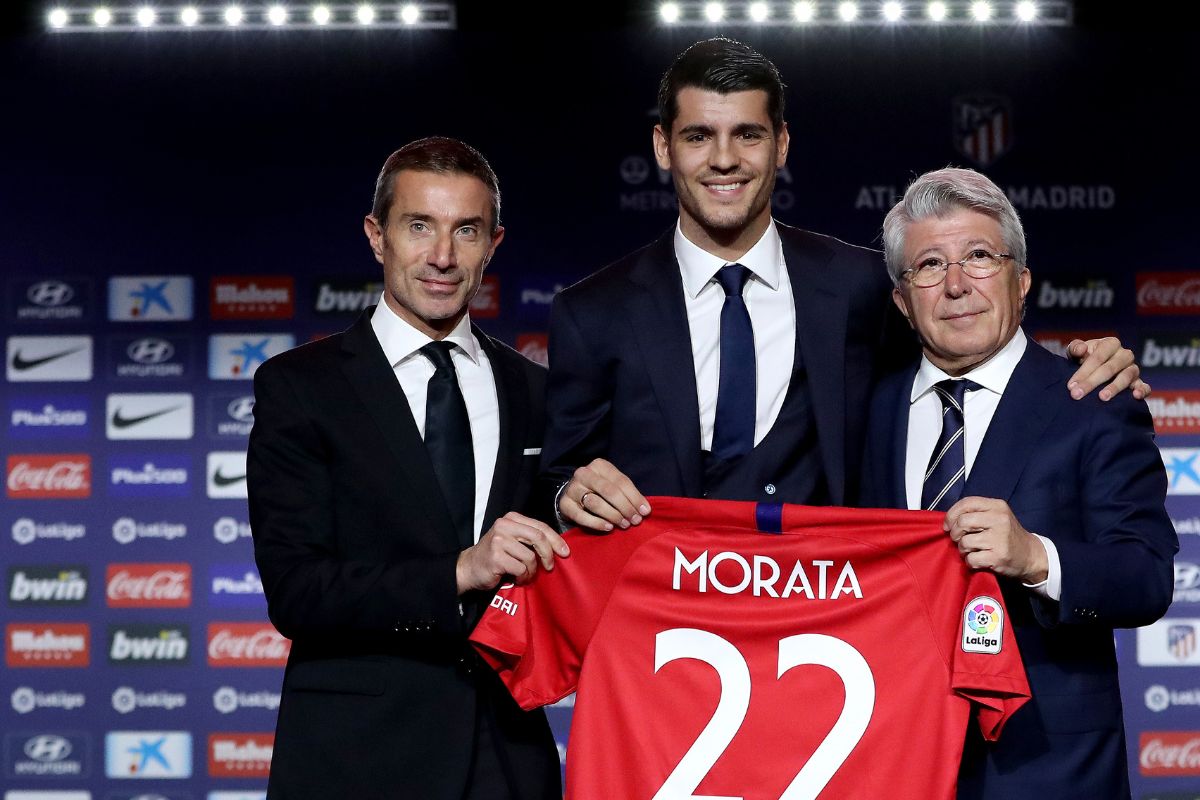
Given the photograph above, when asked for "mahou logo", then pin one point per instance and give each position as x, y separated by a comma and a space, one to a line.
246, 644
1168, 293
258, 297
240, 755
149, 585
1175, 412
1169, 753
58, 644
44, 477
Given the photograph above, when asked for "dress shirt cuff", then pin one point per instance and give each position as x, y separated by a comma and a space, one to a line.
1051, 588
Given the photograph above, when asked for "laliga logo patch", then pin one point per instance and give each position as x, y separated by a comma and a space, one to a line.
983, 626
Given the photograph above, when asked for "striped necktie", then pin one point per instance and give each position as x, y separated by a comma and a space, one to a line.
947, 472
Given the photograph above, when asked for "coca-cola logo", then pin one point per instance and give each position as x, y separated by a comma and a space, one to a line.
1170, 753
246, 644
1168, 293
49, 476
149, 585
486, 302
534, 347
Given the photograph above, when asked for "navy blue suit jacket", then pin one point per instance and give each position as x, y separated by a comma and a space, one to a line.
1088, 476
622, 385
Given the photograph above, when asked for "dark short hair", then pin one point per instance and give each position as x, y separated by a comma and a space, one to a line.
720, 65
439, 154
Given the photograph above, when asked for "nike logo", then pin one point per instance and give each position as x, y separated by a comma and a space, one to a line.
119, 421
226, 480
22, 364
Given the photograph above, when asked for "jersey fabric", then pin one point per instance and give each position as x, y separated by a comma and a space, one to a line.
732, 650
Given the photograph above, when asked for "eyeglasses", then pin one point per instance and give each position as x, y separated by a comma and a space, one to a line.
977, 264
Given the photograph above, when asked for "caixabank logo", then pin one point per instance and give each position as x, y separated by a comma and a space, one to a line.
1183, 469
48, 358
240, 755
48, 585
252, 297
49, 417
47, 644
153, 357
150, 298
45, 476
158, 475
50, 300
149, 416
43, 754
143, 644
148, 755
236, 356
149, 585
246, 644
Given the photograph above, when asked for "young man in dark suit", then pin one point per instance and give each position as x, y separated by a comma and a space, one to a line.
1062, 500
381, 464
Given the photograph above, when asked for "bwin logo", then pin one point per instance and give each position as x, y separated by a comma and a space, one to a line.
49, 294
150, 351
47, 748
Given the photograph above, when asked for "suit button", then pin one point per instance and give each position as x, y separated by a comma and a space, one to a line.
769, 488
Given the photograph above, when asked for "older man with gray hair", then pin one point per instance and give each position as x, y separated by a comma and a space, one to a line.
1062, 500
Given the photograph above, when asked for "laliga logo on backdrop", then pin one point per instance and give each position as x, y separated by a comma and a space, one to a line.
50, 293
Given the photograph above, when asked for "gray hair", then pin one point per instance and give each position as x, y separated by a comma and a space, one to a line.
938, 193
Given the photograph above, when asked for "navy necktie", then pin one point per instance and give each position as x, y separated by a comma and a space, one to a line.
947, 472
448, 440
733, 427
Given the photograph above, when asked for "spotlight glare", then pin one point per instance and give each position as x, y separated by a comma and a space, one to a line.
893, 11
102, 17
937, 11
277, 15
145, 16
759, 12
365, 14
981, 11
410, 14
714, 12
669, 13
58, 18
848, 11
321, 15
234, 15
189, 16
1027, 11
804, 11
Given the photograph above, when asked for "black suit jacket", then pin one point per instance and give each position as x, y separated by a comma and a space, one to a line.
357, 553
622, 385
1087, 475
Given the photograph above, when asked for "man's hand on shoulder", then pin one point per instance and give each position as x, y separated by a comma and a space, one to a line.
1105, 360
514, 546
989, 537
600, 496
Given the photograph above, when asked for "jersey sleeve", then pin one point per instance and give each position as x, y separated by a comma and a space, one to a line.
535, 636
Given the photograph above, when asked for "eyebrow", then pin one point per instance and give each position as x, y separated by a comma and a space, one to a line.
417, 216
741, 127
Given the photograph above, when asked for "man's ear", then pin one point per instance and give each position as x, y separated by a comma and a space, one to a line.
898, 299
374, 232
662, 147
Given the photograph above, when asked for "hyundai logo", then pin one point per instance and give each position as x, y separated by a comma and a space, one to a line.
150, 351
242, 409
50, 293
47, 748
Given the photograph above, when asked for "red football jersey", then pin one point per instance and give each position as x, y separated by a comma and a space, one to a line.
840, 658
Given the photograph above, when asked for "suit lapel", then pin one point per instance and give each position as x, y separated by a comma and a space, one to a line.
1030, 402
659, 319
512, 396
373, 380
821, 315
896, 454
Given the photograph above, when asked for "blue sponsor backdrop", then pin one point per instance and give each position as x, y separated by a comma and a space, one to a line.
139, 169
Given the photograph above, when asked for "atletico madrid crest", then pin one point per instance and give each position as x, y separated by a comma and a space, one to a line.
982, 127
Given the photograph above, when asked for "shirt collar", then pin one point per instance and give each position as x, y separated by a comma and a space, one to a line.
400, 340
992, 374
698, 266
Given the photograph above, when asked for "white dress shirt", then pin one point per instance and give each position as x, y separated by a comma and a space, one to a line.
925, 426
768, 298
401, 343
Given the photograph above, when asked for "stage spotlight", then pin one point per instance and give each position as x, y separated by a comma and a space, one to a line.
1027, 11
936, 11
277, 15
234, 15
58, 18
365, 14
321, 15
410, 14
714, 12
101, 17
189, 16
848, 11
759, 12
146, 16
669, 13
804, 11
893, 11
981, 11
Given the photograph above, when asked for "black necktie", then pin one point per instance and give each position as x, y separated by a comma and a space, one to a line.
733, 426
448, 440
946, 475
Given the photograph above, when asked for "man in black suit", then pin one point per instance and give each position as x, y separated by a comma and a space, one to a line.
380, 463
732, 358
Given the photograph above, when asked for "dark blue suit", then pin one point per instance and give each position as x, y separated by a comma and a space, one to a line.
1088, 476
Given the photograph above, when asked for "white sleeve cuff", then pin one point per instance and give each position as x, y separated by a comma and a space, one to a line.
1051, 588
